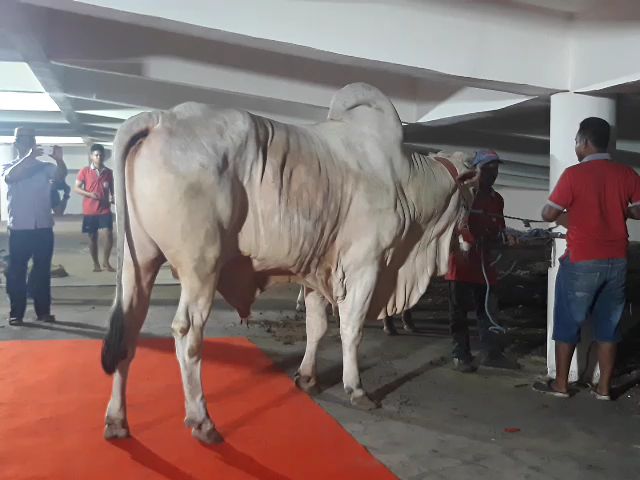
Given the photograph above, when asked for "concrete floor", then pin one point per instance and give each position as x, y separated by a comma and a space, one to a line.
434, 423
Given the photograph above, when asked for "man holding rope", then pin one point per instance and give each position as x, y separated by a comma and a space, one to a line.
471, 274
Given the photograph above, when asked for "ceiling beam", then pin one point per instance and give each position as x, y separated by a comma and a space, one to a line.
18, 22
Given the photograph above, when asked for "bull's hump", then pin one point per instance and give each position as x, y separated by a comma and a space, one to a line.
364, 106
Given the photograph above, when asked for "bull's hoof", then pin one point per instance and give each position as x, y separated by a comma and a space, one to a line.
116, 429
300, 307
388, 327
209, 436
363, 402
307, 384
204, 431
409, 327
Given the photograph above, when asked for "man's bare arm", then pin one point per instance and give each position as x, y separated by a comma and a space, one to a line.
61, 167
550, 213
633, 212
79, 189
24, 168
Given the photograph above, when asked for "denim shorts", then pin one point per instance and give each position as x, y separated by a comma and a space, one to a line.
593, 289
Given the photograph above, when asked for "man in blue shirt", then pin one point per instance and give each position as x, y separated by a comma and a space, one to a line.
29, 182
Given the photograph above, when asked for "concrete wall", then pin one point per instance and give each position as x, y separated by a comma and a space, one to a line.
524, 204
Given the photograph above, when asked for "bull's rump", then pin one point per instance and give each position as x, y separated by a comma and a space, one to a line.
283, 192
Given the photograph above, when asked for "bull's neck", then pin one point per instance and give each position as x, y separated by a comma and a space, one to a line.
430, 187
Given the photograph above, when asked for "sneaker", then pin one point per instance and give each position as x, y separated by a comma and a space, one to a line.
46, 318
15, 321
500, 360
464, 365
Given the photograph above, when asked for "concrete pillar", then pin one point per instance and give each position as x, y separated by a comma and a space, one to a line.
567, 111
6, 156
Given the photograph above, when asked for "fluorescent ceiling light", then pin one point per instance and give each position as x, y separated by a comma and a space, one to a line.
48, 140
116, 113
18, 77
29, 101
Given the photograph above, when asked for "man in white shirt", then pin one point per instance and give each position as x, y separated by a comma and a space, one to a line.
30, 224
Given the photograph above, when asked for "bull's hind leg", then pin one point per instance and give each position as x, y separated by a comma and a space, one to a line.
137, 283
196, 299
353, 311
300, 305
316, 323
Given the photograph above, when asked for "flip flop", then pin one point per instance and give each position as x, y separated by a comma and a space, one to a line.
547, 389
598, 396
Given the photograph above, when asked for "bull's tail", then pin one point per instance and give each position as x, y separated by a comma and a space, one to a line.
134, 130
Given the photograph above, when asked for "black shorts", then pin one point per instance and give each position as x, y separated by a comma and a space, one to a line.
92, 223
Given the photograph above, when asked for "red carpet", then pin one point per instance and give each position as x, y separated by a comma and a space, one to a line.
53, 396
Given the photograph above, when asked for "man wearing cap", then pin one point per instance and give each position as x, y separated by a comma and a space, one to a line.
466, 276
30, 224
95, 184
593, 199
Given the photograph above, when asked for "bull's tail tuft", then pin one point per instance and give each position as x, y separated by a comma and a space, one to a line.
134, 130
114, 349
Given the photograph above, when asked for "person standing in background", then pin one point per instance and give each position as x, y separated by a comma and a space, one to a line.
95, 184
29, 182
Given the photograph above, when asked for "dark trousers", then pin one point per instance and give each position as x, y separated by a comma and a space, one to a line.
464, 297
25, 245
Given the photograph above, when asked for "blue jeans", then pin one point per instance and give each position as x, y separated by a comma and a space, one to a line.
594, 288
25, 245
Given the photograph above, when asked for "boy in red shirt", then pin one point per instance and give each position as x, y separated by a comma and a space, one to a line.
593, 200
95, 184
467, 285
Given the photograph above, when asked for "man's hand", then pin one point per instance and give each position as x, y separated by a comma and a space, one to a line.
563, 220
93, 195
56, 154
35, 152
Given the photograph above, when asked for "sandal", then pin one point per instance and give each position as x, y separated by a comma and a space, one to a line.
15, 322
547, 389
598, 396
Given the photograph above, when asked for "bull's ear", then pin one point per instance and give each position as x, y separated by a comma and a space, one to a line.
467, 176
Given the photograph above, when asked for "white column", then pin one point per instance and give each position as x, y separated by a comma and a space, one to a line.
6, 156
567, 111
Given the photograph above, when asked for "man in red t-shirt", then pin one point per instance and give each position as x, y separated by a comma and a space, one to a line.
95, 184
467, 283
593, 200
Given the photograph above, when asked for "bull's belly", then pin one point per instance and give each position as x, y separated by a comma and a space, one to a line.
242, 279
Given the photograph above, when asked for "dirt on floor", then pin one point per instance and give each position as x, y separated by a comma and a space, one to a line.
522, 292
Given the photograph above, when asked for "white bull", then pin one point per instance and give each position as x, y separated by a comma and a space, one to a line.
236, 202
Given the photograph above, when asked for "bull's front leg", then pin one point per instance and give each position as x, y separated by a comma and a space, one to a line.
353, 310
316, 324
